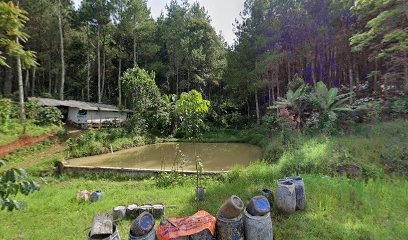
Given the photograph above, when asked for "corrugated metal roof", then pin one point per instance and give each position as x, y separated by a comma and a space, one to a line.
77, 104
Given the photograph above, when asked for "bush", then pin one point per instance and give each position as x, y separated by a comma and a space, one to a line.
31, 109
13, 182
400, 106
5, 110
150, 107
48, 116
96, 142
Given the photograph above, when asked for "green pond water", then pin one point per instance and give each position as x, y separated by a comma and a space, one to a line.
215, 156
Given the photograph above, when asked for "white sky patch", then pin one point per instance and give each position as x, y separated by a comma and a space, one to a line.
222, 12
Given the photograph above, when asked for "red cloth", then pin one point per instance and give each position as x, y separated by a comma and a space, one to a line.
187, 226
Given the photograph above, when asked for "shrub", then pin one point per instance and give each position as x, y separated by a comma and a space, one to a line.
31, 109
191, 109
147, 101
13, 182
48, 116
400, 106
5, 110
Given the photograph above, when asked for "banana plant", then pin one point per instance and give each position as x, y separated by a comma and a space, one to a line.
295, 101
330, 102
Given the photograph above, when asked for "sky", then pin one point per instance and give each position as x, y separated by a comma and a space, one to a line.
222, 12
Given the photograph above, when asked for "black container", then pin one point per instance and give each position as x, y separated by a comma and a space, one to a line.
258, 206
230, 229
232, 208
269, 195
142, 225
203, 235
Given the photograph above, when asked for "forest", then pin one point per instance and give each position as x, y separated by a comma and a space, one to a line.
81, 54
310, 88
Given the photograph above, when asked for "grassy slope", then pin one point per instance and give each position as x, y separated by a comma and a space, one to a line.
338, 207
13, 130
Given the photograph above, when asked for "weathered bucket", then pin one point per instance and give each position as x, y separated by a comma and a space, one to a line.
258, 206
232, 208
258, 227
269, 195
145, 208
158, 210
300, 192
96, 196
132, 211
150, 236
142, 225
119, 212
200, 193
230, 229
286, 196
114, 236
203, 235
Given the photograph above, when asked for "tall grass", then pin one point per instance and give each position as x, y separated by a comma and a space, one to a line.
13, 129
338, 208
356, 188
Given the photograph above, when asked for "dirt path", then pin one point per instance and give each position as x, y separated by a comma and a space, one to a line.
24, 141
46, 154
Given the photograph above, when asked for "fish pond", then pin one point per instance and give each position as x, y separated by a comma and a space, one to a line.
167, 156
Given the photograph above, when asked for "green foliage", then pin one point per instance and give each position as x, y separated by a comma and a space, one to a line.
386, 35
5, 111
400, 105
31, 109
226, 114
12, 131
48, 116
191, 109
147, 102
13, 182
141, 86
367, 109
12, 20
329, 103
295, 101
101, 141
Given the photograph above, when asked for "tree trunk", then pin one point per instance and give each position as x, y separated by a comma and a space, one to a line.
375, 75
33, 83
313, 74
119, 82
177, 83
277, 81
49, 75
56, 84
134, 41
273, 95
103, 70
88, 78
99, 66
288, 69
20, 90
351, 82
26, 84
248, 108
258, 119
406, 67
8, 83
62, 53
